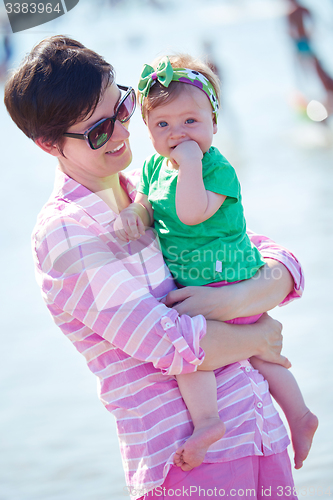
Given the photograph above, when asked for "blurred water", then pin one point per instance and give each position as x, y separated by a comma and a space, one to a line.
57, 441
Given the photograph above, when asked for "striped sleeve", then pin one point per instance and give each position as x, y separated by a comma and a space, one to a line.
95, 281
271, 250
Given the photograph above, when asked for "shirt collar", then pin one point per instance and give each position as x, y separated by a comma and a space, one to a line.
71, 191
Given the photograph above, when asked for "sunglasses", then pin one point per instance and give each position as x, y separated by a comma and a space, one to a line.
99, 134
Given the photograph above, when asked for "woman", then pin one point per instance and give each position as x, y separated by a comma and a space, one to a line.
107, 296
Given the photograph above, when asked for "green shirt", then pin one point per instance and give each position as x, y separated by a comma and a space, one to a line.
217, 249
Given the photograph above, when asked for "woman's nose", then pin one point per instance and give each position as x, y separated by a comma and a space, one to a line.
120, 131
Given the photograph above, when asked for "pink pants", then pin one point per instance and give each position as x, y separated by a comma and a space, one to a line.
255, 477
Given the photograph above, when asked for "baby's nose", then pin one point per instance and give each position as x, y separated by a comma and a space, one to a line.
177, 131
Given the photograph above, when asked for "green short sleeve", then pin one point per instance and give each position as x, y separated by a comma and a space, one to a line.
219, 176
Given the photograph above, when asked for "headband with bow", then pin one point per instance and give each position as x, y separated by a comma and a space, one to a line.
165, 74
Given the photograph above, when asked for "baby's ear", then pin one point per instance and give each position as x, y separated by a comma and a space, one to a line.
48, 147
214, 125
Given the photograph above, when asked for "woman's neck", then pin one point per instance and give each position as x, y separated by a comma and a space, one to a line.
113, 194
109, 189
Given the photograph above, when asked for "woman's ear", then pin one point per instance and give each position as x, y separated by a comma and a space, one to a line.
48, 147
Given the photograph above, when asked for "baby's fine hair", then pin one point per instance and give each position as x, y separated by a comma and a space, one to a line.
160, 95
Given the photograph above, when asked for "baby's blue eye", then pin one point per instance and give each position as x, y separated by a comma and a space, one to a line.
190, 120
162, 124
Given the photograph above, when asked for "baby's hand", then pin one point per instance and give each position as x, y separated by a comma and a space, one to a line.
186, 152
128, 225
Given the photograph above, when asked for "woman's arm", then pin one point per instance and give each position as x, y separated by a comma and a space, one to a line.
101, 285
90, 279
226, 343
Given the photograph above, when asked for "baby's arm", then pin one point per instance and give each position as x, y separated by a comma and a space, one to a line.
132, 221
194, 204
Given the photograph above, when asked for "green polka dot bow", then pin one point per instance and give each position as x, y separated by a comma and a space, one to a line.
165, 74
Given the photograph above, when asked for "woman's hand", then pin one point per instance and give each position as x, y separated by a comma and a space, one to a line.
271, 346
225, 343
213, 303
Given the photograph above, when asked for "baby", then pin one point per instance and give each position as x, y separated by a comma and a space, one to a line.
192, 194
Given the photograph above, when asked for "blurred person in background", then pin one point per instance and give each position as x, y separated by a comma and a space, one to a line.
6, 48
301, 27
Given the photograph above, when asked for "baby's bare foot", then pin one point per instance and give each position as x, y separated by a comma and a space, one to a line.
192, 453
302, 432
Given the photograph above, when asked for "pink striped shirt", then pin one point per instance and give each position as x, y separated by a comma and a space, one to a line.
105, 296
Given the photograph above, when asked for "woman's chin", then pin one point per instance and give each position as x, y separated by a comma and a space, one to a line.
121, 157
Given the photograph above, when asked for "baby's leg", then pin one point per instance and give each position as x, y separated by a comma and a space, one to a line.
199, 393
283, 387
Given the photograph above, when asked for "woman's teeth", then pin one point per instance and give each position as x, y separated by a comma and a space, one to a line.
116, 149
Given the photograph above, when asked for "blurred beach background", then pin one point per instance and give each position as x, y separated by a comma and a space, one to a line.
57, 440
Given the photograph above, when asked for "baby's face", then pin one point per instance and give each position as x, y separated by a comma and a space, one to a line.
188, 117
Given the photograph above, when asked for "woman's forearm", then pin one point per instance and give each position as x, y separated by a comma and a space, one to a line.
226, 343
266, 290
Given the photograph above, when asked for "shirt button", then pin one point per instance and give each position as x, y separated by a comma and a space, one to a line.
247, 369
259, 405
166, 323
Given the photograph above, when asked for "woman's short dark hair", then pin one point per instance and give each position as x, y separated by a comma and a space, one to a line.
59, 83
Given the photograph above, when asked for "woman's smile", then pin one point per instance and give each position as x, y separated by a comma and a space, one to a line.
117, 149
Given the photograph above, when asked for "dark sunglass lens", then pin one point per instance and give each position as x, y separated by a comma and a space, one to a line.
126, 108
101, 134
